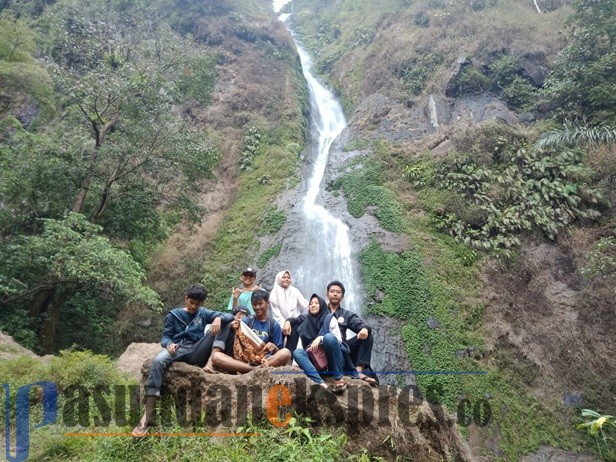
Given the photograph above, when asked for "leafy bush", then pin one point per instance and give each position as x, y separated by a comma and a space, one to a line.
268, 254
82, 368
472, 80
598, 425
492, 204
602, 260
520, 94
416, 75
252, 140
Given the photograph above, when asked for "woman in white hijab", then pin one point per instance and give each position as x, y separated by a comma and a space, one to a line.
286, 300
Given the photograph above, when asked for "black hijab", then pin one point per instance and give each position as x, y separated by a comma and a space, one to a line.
309, 329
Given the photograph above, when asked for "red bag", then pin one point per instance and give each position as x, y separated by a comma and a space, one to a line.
318, 358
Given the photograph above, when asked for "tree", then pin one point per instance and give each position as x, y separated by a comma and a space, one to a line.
572, 135
121, 78
122, 156
45, 270
584, 80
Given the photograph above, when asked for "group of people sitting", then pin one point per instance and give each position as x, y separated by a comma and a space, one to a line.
247, 336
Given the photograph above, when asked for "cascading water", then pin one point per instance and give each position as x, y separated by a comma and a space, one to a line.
328, 255
317, 245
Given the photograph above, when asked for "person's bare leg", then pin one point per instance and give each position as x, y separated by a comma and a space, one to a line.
148, 416
280, 358
227, 363
209, 366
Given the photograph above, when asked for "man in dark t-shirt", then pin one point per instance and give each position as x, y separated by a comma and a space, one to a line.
266, 329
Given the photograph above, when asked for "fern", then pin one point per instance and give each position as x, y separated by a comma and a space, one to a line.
572, 135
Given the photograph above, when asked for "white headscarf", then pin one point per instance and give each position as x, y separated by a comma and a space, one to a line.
286, 303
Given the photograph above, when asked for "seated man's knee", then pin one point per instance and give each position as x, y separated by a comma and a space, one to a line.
218, 358
285, 354
161, 359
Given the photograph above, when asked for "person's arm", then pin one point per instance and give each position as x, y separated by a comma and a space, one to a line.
354, 322
169, 330
209, 316
295, 322
277, 337
358, 326
276, 314
334, 328
233, 301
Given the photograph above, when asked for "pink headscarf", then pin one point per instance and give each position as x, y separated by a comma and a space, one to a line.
286, 303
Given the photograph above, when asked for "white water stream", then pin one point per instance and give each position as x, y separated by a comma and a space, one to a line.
326, 253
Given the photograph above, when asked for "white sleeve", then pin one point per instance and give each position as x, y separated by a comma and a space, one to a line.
335, 329
277, 315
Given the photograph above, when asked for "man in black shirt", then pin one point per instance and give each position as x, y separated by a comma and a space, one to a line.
361, 344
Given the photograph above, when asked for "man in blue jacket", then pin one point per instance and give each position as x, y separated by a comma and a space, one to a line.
184, 340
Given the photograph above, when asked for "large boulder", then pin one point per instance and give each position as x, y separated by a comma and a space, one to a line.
386, 421
10, 349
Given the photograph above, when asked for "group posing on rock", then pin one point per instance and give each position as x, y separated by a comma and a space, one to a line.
311, 333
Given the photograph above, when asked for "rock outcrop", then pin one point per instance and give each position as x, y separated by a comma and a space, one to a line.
386, 421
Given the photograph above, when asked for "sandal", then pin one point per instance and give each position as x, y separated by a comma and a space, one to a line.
369, 380
340, 385
140, 431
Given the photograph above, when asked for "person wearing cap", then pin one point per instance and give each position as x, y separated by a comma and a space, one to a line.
240, 296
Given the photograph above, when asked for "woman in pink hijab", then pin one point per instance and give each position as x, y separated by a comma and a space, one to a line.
286, 300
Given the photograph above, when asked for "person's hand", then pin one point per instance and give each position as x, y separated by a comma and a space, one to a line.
172, 348
235, 325
236, 292
316, 342
286, 328
269, 346
215, 328
362, 334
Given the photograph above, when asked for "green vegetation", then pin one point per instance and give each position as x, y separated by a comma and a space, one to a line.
582, 82
416, 43
602, 260
72, 371
572, 135
236, 245
69, 256
362, 188
96, 165
268, 254
433, 289
489, 202
251, 148
597, 426
272, 221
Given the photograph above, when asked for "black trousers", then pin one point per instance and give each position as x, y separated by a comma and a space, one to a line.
361, 350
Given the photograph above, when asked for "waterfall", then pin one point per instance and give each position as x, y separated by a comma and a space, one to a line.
325, 248
317, 244
433, 112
